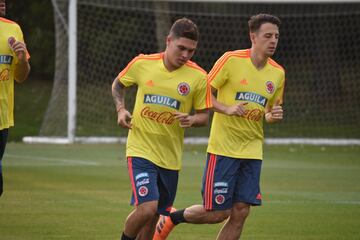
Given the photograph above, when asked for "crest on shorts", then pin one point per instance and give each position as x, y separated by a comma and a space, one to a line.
183, 89
219, 199
143, 191
270, 87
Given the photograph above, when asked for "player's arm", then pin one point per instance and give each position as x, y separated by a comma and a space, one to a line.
218, 77
199, 119
237, 109
275, 113
118, 93
22, 67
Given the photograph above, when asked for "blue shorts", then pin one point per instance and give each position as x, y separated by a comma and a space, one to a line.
229, 180
150, 182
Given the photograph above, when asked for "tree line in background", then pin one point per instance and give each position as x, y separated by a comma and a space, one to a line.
37, 22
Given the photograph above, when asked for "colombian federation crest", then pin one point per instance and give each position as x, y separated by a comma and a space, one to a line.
183, 89
143, 191
270, 87
219, 199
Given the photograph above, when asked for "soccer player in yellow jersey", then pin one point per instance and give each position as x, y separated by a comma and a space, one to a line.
14, 65
249, 87
169, 87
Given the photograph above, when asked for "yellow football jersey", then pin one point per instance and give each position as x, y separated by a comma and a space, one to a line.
155, 134
238, 80
8, 59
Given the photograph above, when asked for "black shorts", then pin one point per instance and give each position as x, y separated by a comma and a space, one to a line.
3, 139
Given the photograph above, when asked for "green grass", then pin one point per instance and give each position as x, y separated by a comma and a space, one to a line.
82, 192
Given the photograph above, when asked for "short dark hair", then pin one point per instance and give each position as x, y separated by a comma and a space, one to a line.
186, 28
256, 21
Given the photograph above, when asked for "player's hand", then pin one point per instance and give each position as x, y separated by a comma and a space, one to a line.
276, 114
237, 110
124, 118
19, 48
185, 120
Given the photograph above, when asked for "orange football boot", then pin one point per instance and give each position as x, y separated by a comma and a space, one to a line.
164, 227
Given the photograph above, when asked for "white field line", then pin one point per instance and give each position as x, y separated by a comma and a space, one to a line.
197, 140
55, 160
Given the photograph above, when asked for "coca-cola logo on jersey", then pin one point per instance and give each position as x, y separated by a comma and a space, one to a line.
5, 74
160, 117
253, 115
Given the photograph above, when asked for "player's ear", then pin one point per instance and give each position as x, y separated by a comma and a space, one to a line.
168, 40
252, 37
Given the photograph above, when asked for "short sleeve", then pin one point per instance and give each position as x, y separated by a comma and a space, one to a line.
279, 92
128, 75
219, 74
202, 97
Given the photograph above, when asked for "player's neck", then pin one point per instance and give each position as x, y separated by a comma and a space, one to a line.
257, 59
167, 64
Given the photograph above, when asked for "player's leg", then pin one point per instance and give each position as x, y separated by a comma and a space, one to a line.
148, 229
167, 187
3, 139
218, 184
197, 214
145, 195
138, 218
233, 227
247, 193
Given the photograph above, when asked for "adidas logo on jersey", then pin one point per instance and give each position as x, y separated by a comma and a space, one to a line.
244, 81
150, 83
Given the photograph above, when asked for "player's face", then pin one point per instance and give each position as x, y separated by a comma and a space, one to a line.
2, 8
266, 39
179, 51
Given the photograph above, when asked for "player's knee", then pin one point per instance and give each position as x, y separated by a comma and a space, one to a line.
149, 213
147, 210
241, 211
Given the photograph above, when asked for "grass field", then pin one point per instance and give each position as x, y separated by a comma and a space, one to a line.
82, 192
